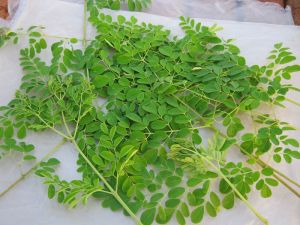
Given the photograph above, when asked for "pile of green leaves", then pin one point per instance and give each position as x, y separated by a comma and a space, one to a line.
133, 5
142, 151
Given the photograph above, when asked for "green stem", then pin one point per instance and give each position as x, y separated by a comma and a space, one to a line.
84, 33
287, 185
84, 24
249, 155
50, 36
264, 220
102, 178
51, 127
113, 192
292, 101
264, 164
28, 172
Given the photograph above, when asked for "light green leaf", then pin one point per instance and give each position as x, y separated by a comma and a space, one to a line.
197, 214
51, 191
134, 117
228, 201
147, 216
107, 155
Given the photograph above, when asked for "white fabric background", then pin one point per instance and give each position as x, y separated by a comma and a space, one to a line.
27, 204
239, 10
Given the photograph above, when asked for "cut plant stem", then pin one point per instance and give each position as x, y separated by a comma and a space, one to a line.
28, 172
84, 24
263, 219
286, 185
84, 33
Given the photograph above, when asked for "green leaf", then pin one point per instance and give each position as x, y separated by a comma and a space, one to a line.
277, 158
123, 59
126, 150
161, 215
131, 5
35, 34
267, 171
179, 217
278, 45
172, 203
97, 160
228, 201
147, 216
115, 5
227, 144
292, 142
107, 155
151, 107
173, 181
197, 214
21, 132
166, 50
266, 191
176, 192
1, 132
272, 182
185, 209
73, 40
102, 80
156, 197
158, 125
292, 69
121, 19
287, 59
104, 128
215, 199
196, 139
43, 43
9, 132
53, 162
134, 117
194, 181
210, 209
51, 191
29, 157
181, 119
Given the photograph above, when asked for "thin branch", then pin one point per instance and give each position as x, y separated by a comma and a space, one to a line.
28, 172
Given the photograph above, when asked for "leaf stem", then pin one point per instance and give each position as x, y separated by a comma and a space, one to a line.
110, 188
112, 191
264, 220
249, 155
50, 36
286, 185
264, 164
51, 127
84, 33
28, 172
84, 24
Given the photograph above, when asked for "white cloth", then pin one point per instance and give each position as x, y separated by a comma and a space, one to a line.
238, 10
27, 204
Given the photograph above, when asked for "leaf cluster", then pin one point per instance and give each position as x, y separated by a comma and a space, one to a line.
142, 151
